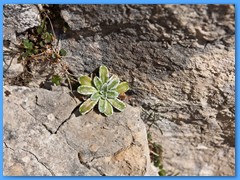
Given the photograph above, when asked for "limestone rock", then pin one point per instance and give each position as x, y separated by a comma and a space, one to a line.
18, 18
11, 67
179, 60
44, 134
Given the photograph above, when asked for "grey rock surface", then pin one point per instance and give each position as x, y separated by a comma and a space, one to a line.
44, 134
11, 67
179, 61
18, 18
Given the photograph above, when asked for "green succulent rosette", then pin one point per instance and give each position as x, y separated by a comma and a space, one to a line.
104, 91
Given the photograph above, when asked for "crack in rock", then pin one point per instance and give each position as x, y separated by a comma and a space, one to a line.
8, 146
82, 161
46, 127
69, 117
62, 123
99, 171
88, 166
27, 111
39, 161
5, 144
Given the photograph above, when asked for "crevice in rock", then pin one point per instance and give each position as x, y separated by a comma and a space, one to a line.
96, 158
69, 117
46, 127
52, 173
5, 144
36, 101
99, 171
57, 21
26, 111
82, 162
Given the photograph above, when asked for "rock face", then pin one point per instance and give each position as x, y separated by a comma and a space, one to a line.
18, 18
43, 138
179, 61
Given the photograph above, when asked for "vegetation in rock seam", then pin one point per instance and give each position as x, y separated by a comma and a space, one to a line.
150, 118
40, 52
104, 91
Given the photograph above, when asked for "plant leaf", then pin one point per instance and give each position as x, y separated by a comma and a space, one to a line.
39, 30
97, 82
112, 94
87, 106
86, 90
109, 109
104, 87
102, 105
62, 52
103, 74
27, 44
122, 87
116, 103
95, 96
113, 82
111, 78
35, 51
85, 80
56, 79
41, 44
47, 37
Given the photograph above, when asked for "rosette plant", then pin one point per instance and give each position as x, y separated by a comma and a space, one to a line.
102, 90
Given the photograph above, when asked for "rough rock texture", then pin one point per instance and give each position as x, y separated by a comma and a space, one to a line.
45, 135
179, 61
18, 18
11, 67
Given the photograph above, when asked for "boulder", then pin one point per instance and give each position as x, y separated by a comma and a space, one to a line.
44, 135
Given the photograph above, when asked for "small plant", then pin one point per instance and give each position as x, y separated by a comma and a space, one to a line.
156, 155
41, 55
39, 45
103, 90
